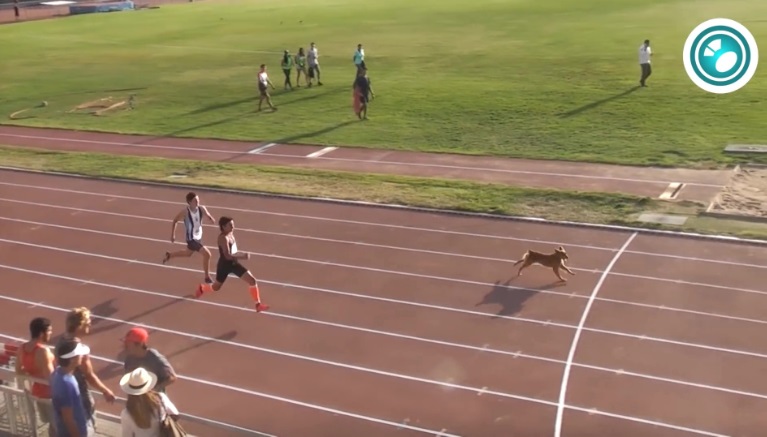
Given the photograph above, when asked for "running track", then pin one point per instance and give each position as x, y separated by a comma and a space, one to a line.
695, 185
402, 323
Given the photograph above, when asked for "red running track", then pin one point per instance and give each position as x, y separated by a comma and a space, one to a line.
393, 322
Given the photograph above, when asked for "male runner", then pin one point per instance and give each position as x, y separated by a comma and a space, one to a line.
192, 217
229, 263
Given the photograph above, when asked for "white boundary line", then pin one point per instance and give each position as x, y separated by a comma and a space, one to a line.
253, 392
444, 212
483, 391
577, 336
547, 323
516, 354
352, 222
365, 161
383, 246
441, 278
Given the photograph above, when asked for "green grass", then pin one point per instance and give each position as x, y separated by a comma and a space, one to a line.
480, 77
601, 208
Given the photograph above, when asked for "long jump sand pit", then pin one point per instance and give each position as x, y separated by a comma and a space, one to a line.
745, 195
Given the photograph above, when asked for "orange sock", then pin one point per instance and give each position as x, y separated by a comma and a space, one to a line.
254, 293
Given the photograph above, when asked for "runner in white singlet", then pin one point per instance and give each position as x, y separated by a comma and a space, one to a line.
192, 216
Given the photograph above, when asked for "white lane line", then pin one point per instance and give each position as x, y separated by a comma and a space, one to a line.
436, 307
260, 394
321, 152
377, 246
441, 278
411, 378
484, 348
577, 336
378, 162
384, 225
260, 150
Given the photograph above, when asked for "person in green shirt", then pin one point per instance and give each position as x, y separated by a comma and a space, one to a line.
287, 68
301, 67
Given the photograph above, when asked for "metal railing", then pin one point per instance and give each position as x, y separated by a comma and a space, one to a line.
16, 390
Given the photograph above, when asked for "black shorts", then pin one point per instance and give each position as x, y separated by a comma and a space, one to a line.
194, 245
225, 267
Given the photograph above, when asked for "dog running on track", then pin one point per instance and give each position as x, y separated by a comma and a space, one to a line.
555, 261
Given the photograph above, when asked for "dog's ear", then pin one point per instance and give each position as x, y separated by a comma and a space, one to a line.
561, 249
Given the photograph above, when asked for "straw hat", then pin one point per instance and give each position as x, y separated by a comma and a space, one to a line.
138, 382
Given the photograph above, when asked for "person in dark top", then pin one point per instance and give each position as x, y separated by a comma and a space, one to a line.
229, 263
78, 324
139, 354
363, 91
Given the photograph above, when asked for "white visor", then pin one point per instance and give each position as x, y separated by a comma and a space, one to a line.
80, 350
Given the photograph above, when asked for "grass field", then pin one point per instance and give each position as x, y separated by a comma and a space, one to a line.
521, 78
601, 208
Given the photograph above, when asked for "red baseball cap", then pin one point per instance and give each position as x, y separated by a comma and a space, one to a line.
137, 335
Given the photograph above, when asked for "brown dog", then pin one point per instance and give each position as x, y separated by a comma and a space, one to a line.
554, 260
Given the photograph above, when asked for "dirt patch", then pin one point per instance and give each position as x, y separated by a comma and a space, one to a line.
745, 195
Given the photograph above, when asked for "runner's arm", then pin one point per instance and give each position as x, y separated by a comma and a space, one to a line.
176, 219
207, 214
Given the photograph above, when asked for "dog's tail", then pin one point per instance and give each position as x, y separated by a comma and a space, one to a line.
524, 257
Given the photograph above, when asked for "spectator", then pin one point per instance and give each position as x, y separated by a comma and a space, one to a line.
287, 68
145, 408
78, 324
35, 360
314, 64
70, 415
139, 354
301, 67
359, 58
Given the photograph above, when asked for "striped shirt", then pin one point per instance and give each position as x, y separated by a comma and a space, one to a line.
193, 224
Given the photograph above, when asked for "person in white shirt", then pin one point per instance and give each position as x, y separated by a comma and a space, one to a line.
359, 58
314, 64
263, 84
145, 408
645, 53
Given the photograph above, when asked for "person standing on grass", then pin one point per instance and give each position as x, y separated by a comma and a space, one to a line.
139, 354
301, 67
70, 414
287, 68
363, 90
35, 360
192, 217
314, 64
359, 57
263, 88
645, 53
78, 325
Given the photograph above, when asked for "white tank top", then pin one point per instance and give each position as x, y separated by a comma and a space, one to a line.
193, 224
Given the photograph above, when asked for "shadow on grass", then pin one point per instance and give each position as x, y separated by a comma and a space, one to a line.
276, 99
598, 103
